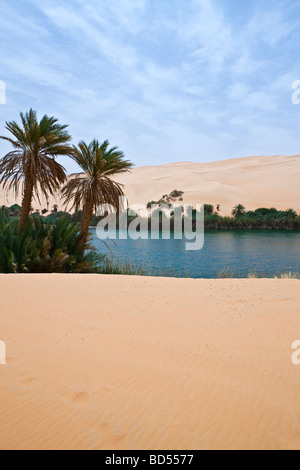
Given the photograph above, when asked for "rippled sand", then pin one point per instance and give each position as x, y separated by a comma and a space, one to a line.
97, 362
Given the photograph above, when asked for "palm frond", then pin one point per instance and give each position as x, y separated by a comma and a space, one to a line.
36, 145
96, 184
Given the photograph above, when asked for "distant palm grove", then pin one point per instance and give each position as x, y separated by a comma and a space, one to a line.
241, 219
59, 241
259, 219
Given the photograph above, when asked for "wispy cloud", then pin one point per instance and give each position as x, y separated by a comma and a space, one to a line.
157, 78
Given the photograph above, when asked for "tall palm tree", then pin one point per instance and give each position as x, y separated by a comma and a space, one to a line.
32, 164
96, 185
239, 211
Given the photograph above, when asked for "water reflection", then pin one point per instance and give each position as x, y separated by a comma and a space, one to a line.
239, 252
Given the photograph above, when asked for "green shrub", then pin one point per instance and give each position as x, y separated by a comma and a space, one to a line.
176, 193
45, 247
208, 209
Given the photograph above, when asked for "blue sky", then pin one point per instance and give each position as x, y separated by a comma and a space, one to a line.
165, 80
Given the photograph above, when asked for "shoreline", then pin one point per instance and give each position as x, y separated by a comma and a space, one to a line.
94, 227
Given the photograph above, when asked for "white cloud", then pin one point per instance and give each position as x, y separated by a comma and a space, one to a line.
207, 36
153, 75
238, 91
269, 27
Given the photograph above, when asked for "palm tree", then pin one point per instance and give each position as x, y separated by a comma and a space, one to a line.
291, 214
95, 186
239, 211
55, 209
32, 162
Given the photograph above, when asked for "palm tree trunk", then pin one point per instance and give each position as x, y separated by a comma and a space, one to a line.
26, 202
85, 224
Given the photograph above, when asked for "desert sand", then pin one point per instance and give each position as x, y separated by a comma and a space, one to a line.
251, 181
97, 362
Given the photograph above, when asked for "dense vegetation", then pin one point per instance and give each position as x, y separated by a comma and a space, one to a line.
260, 219
44, 247
240, 219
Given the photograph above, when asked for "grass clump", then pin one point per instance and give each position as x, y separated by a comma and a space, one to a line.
255, 275
288, 275
108, 266
225, 274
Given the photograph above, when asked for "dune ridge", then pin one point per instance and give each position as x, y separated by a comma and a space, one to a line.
252, 181
108, 362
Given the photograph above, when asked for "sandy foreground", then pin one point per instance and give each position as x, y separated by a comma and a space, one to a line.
252, 181
107, 362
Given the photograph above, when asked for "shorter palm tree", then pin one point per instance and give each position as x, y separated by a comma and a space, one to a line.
95, 186
239, 211
32, 163
291, 214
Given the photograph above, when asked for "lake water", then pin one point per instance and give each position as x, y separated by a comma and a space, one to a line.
240, 252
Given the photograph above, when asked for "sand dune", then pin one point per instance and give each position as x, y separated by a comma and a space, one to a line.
98, 362
252, 181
